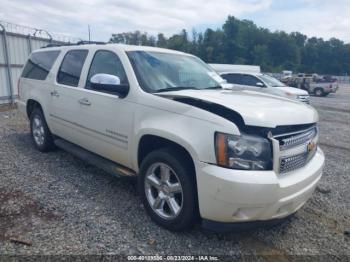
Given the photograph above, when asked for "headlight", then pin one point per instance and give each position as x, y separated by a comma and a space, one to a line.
243, 152
289, 94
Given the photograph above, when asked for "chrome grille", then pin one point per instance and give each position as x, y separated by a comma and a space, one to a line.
295, 149
295, 139
304, 98
291, 163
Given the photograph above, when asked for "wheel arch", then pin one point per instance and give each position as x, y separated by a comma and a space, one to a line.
31, 105
150, 142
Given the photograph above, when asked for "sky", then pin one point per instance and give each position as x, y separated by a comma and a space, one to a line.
321, 18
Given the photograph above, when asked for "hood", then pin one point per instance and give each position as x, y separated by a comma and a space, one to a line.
255, 108
292, 90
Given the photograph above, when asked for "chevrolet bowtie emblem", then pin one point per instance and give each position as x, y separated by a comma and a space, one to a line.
311, 146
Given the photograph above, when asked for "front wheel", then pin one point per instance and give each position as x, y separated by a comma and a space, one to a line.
167, 189
319, 92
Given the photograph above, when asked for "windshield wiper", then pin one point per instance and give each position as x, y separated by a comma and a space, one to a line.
176, 88
213, 87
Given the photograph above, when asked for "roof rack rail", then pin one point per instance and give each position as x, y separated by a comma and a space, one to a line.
82, 42
52, 45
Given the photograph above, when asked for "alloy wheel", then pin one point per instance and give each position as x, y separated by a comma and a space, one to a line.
163, 191
38, 130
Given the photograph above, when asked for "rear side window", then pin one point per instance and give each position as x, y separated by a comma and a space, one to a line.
70, 70
39, 65
232, 78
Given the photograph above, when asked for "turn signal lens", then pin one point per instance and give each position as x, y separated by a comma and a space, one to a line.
221, 149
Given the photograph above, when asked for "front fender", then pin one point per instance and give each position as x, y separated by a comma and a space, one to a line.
195, 135
165, 135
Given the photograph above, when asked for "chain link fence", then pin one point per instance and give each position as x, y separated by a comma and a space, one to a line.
39, 33
16, 44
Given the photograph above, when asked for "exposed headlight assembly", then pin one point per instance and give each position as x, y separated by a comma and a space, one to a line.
243, 152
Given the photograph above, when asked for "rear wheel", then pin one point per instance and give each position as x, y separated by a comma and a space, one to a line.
41, 135
319, 92
167, 189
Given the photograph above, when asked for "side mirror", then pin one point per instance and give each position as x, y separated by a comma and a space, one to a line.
109, 84
259, 84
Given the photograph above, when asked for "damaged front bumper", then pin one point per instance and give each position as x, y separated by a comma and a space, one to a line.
231, 196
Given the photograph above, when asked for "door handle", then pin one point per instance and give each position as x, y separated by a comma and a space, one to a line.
54, 93
85, 102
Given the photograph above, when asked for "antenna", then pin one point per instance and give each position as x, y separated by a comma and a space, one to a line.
89, 33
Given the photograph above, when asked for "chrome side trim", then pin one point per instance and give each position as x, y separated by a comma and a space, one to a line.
109, 135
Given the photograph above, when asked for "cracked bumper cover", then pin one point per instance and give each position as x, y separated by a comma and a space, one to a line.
231, 196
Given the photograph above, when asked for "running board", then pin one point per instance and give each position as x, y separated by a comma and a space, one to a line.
95, 160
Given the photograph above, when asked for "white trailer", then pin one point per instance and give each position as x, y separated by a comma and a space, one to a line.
222, 68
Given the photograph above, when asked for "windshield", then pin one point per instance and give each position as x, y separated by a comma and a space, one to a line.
159, 72
271, 81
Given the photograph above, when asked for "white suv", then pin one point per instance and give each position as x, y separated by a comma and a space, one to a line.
256, 81
199, 151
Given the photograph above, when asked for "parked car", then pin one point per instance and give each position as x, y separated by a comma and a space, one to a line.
256, 81
314, 85
287, 73
323, 87
199, 151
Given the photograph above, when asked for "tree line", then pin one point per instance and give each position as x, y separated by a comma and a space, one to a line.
243, 42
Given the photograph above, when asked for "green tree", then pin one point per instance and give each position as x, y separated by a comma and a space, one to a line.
243, 42
161, 40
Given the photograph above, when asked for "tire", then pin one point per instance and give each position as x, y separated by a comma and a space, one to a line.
319, 92
180, 170
40, 133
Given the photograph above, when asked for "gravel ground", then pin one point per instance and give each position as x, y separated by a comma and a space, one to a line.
54, 203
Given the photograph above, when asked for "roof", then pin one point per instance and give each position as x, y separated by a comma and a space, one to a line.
145, 48
121, 47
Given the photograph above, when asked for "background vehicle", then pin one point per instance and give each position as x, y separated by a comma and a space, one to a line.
319, 86
323, 86
287, 73
198, 150
250, 78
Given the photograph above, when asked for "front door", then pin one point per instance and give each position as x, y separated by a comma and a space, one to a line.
244, 81
104, 118
252, 83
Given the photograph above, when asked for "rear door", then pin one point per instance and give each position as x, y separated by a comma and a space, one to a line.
65, 95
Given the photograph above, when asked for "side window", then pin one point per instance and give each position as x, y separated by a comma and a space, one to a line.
249, 80
106, 62
70, 70
39, 65
232, 78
